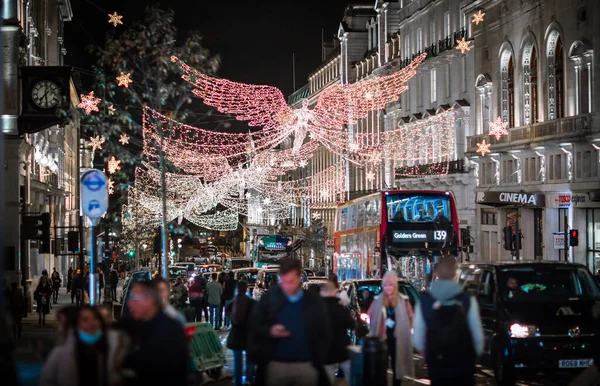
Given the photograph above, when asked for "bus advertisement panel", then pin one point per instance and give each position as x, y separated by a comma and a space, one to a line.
406, 231
272, 248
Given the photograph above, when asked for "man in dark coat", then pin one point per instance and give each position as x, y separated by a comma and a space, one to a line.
77, 288
237, 340
340, 321
288, 337
114, 281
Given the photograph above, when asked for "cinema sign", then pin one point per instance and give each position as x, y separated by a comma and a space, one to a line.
510, 198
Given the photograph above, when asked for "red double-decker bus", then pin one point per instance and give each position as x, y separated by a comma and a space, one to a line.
403, 230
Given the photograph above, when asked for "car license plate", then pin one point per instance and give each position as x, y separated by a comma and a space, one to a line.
575, 363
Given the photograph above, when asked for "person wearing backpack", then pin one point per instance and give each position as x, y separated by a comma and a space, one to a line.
391, 321
447, 329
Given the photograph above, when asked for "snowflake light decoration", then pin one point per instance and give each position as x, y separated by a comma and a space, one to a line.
248, 195
370, 176
498, 128
124, 79
111, 110
303, 163
483, 148
111, 186
478, 17
463, 45
96, 142
267, 201
124, 139
113, 165
115, 19
89, 102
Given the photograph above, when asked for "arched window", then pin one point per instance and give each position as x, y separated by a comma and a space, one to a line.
484, 93
507, 70
581, 54
530, 85
556, 76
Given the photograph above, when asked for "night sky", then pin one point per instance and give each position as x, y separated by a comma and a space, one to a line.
255, 39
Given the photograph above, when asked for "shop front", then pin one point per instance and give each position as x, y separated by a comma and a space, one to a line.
581, 211
522, 212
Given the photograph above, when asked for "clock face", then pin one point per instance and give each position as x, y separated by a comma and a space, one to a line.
45, 94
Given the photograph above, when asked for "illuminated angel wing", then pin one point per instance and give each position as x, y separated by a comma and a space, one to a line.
263, 106
341, 104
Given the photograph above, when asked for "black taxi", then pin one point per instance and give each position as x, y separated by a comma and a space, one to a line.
537, 316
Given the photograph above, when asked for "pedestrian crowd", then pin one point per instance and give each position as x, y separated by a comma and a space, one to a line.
290, 336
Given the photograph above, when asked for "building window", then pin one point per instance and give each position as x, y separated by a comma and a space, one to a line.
419, 91
530, 87
407, 46
419, 39
556, 81
508, 88
432, 36
584, 164
447, 28
447, 80
433, 85
489, 217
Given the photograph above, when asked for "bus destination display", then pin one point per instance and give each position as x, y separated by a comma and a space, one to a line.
419, 236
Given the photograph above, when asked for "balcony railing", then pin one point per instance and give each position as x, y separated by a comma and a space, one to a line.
436, 168
435, 49
564, 128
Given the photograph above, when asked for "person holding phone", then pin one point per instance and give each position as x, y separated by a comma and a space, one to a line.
289, 339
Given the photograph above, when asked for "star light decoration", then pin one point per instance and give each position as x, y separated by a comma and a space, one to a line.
96, 142
303, 163
111, 110
370, 176
463, 45
124, 139
111, 186
483, 148
498, 128
113, 165
478, 17
124, 79
115, 19
89, 102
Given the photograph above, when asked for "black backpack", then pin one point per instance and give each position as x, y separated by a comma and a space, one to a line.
448, 340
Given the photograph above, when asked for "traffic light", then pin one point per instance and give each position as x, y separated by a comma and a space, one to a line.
43, 235
573, 237
508, 238
131, 254
73, 241
29, 227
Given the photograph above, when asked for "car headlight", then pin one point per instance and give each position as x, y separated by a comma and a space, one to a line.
523, 330
365, 318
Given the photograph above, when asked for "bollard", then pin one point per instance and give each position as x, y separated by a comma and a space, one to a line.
375, 361
355, 378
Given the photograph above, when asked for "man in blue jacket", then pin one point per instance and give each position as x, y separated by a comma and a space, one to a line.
289, 335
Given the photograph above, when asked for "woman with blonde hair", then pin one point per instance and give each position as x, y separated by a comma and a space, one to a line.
391, 321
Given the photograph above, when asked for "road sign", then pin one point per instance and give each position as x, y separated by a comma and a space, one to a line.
94, 194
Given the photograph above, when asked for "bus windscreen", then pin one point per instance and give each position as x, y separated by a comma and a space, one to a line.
418, 208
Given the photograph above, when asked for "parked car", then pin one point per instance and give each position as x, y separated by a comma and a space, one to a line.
264, 278
536, 315
249, 275
319, 283
191, 267
126, 293
361, 293
238, 262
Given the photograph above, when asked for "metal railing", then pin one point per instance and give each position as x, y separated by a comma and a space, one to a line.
435, 168
549, 130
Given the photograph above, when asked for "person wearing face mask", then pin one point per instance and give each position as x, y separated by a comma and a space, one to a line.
391, 321
93, 358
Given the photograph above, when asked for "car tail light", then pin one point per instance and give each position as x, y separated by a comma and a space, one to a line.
365, 318
190, 331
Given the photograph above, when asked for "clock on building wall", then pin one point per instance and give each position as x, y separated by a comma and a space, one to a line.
44, 91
